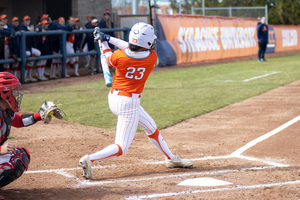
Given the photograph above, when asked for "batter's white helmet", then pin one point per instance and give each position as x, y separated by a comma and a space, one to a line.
142, 34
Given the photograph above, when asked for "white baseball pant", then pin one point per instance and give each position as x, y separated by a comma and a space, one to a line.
130, 115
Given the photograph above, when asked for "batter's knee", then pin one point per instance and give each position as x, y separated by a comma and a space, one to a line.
153, 134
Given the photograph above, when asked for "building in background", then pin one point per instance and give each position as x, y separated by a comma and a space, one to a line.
133, 7
82, 8
55, 8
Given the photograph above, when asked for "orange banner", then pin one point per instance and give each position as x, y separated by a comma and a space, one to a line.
287, 37
196, 38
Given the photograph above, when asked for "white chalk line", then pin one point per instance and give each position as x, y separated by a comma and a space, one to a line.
264, 137
63, 171
215, 172
58, 171
69, 169
238, 187
261, 160
235, 154
251, 79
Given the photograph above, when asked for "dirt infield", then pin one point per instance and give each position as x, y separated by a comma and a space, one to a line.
252, 145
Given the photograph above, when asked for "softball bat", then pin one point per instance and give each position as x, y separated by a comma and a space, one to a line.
105, 68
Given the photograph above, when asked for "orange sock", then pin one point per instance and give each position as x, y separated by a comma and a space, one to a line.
160, 144
108, 152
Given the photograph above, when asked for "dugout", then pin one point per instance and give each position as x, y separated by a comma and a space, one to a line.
55, 8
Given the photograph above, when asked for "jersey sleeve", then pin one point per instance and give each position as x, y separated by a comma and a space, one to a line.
113, 59
121, 44
23, 120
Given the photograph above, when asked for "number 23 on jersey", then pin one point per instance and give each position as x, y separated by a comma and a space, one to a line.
132, 70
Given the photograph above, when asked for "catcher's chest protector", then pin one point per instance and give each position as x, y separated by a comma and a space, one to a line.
5, 125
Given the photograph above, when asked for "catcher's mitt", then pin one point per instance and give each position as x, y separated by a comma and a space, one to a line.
48, 109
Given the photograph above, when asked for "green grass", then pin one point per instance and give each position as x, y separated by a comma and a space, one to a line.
173, 96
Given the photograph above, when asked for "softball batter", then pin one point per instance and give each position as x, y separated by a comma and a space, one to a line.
133, 63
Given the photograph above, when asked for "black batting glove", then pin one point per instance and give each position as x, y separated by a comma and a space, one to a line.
98, 35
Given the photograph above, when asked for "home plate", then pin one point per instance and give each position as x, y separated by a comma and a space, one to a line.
204, 182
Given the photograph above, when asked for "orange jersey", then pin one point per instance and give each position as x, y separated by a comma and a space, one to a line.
131, 74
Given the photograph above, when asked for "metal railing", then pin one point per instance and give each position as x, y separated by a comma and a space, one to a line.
21, 35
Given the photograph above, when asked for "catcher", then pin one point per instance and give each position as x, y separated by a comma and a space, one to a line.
15, 160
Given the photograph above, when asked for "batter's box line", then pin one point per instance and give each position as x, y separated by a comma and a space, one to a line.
63, 171
82, 183
231, 156
235, 154
237, 187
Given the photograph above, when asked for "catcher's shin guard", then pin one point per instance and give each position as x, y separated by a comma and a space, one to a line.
14, 169
9, 172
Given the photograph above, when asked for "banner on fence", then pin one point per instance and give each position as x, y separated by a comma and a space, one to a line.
287, 37
186, 39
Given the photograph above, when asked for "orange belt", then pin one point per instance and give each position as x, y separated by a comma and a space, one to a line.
121, 93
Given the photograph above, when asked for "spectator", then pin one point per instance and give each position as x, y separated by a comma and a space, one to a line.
78, 36
61, 23
91, 44
54, 48
8, 27
54, 41
106, 22
6, 33
70, 47
89, 19
30, 47
87, 46
41, 18
263, 38
14, 47
43, 44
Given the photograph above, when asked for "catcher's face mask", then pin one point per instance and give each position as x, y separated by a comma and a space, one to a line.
18, 96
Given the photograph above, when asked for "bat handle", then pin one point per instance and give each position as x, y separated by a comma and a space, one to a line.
100, 46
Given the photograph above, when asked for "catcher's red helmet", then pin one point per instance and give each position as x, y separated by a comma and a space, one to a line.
10, 90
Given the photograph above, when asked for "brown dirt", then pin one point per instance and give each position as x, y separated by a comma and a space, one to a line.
56, 148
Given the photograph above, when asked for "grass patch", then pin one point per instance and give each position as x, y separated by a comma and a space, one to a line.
173, 96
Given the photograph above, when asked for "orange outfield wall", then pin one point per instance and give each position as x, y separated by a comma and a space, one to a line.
287, 38
196, 38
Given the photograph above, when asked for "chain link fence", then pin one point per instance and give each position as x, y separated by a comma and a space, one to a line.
246, 12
